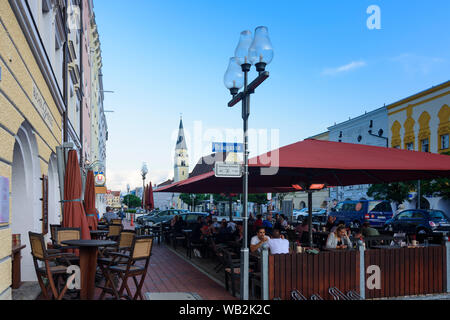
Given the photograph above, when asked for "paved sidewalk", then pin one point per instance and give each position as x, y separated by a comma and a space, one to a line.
170, 273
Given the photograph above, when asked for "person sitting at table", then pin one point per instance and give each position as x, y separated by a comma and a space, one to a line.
257, 241
368, 231
330, 223
238, 234
304, 227
109, 215
232, 226
277, 244
224, 233
196, 230
338, 224
173, 221
206, 230
281, 223
277, 216
215, 224
179, 225
339, 239
268, 223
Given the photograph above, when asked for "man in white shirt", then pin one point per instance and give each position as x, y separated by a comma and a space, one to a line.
232, 225
277, 245
257, 241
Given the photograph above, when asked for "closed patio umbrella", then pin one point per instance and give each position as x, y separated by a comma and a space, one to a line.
74, 215
89, 201
150, 205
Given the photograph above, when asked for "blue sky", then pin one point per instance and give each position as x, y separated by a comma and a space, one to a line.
166, 58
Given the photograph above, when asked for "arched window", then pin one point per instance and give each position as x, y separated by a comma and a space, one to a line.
444, 129
424, 132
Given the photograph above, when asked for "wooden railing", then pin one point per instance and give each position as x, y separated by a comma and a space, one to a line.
407, 271
387, 273
313, 274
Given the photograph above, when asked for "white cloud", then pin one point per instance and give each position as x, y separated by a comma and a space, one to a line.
117, 180
345, 68
413, 63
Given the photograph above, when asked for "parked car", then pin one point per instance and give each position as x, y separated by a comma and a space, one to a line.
355, 213
191, 217
158, 217
419, 222
319, 215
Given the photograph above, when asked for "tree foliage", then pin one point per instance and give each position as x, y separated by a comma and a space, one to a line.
396, 192
197, 199
131, 201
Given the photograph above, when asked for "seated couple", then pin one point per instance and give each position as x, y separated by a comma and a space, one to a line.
277, 244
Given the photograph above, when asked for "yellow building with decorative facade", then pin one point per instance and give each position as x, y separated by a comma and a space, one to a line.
31, 109
421, 122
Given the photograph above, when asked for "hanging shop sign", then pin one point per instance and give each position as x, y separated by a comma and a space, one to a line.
100, 179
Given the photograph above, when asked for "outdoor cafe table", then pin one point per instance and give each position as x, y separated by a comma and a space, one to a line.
88, 263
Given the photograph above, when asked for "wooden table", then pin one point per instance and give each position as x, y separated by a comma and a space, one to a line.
88, 263
16, 257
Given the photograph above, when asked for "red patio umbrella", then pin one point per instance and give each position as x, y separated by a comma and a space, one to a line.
330, 163
89, 201
74, 215
149, 198
313, 162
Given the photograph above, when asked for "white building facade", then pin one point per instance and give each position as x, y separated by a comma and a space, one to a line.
370, 129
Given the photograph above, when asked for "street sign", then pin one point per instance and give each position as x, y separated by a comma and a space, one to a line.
228, 170
227, 147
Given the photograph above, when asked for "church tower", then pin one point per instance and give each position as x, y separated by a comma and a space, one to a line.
181, 167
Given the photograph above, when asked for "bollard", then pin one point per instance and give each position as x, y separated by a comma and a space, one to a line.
265, 273
362, 270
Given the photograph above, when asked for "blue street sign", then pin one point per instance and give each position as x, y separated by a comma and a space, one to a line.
227, 147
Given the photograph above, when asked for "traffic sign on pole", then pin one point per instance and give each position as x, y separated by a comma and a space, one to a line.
228, 170
227, 147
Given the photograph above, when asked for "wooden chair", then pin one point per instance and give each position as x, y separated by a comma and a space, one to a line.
50, 269
65, 234
116, 221
106, 259
232, 271
140, 251
53, 228
190, 246
114, 231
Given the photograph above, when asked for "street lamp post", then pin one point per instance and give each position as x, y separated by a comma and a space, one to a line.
144, 171
128, 194
250, 51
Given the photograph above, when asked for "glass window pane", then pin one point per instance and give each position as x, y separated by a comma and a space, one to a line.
445, 141
437, 215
